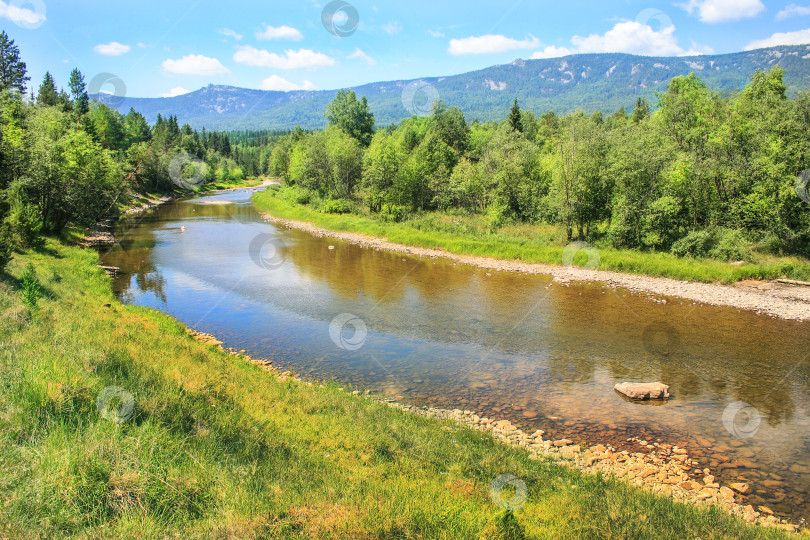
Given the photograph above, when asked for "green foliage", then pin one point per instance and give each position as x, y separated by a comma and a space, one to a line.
352, 116
64, 160
700, 161
30, 287
12, 69
47, 95
337, 206
515, 119
715, 243
78, 92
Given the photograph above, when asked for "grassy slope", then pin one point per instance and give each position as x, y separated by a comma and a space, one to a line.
218, 448
534, 244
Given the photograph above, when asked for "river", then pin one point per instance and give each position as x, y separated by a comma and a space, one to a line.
508, 346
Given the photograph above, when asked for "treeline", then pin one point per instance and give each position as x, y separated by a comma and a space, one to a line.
65, 159
701, 174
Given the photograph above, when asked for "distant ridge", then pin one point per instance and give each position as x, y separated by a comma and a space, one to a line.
605, 81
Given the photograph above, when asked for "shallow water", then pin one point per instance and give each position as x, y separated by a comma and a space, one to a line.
504, 345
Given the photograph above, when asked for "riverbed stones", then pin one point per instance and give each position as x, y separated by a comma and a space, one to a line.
740, 487
643, 391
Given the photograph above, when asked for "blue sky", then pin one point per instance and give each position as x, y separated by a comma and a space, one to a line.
169, 47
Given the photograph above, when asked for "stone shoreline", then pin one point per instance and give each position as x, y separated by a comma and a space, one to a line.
658, 467
775, 299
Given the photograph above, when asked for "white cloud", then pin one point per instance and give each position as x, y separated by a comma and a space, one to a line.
231, 33
799, 37
630, 37
302, 58
174, 92
393, 28
792, 10
143, 45
274, 82
717, 11
363, 56
436, 33
112, 49
21, 15
552, 52
281, 32
195, 64
489, 44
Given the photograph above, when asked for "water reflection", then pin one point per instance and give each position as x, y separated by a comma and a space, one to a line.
508, 345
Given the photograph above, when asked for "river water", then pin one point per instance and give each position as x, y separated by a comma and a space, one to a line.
519, 347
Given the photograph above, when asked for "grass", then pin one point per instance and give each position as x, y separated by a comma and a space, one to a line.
211, 446
215, 186
473, 235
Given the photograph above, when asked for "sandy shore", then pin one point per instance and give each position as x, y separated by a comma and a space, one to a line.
770, 298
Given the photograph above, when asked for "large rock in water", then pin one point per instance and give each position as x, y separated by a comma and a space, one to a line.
655, 390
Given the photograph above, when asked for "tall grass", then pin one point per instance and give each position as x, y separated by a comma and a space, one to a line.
474, 235
214, 447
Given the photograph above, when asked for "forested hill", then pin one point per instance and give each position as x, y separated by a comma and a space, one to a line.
590, 82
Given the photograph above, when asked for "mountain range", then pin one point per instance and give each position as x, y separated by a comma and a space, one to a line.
603, 81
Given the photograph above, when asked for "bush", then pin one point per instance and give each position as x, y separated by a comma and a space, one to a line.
694, 244
337, 206
5, 251
30, 286
717, 243
297, 195
731, 245
393, 213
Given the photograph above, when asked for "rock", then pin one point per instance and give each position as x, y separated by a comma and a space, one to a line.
503, 424
705, 493
562, 442
765, 510
727, 494
740, 487
648, 471
643, 391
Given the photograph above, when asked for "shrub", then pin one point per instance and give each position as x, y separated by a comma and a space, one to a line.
694, 244
297, 195
730, 245
717, 243
30, 286
337, 206
393, 213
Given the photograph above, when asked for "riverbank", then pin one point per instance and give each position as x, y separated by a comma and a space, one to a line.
116, 423
777, 300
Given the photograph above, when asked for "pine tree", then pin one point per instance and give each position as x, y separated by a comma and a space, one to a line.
515, 120
47, 95
12, 70
78, 91
642, 110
